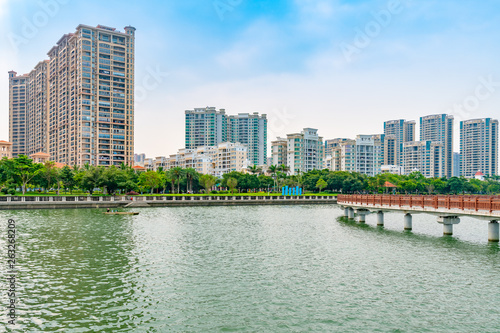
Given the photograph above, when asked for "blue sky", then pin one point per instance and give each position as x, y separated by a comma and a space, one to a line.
340, 66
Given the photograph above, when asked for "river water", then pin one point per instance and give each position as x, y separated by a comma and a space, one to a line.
249, 269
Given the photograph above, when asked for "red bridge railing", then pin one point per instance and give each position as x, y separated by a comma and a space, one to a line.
461, 202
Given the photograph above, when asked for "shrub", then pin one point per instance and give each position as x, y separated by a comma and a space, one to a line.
11, 191
214, 192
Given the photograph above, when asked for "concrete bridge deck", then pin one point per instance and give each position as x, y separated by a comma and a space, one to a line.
448, 208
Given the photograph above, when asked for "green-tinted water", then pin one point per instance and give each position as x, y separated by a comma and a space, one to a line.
255, 269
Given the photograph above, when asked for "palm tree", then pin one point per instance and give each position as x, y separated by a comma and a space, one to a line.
284, 169
272, 170
190, 174
177, 173
255, 169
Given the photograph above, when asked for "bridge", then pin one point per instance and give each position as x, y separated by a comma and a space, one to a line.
447, 208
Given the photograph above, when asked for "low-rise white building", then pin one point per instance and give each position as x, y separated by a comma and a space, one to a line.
394, 169
213, 160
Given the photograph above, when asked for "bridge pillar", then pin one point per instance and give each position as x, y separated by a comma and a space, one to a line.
448, 222
408, 220
351, 214
346, 211
362, 215
493, 231
380, 218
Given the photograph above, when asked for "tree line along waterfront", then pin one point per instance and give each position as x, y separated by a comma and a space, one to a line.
22, 176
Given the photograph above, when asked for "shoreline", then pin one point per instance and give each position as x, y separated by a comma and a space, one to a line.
66, 202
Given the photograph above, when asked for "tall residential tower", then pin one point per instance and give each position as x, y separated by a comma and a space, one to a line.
479, 147
396, 133
18, 97
439, 128
250, 130
80, 103
209, 127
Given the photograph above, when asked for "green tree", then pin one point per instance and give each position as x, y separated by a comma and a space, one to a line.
455, 185
111, 178
150, 180
49, 175
23, 170
207, 181
67, 177
91, 178
266, 182
439, 185
248, 182
129, 179
493, 187
408, 186
321, 184
232, 183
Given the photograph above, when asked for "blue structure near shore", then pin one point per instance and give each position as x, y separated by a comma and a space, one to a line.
285, 190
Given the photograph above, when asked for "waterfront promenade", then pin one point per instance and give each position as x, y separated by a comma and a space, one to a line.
447, 208
56, 202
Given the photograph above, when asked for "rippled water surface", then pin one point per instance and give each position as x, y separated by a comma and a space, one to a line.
252, 269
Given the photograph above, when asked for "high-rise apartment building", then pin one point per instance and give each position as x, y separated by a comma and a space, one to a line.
80, 103
348, 156
205, 127
439, 128
369, 154
18, 97
209, 127
37, 114
392, 151
250, 130
479, 147
397, 132
341, 154
304, 151
279, 151
423, 156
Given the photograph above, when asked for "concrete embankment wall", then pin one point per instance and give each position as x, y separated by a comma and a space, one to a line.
60, 202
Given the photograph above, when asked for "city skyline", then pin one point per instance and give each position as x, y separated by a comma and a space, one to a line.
302, 63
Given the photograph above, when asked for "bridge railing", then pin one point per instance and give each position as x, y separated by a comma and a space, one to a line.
455, 202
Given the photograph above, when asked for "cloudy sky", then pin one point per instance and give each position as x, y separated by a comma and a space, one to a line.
342, 66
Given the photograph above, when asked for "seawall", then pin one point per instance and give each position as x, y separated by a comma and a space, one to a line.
71, 202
